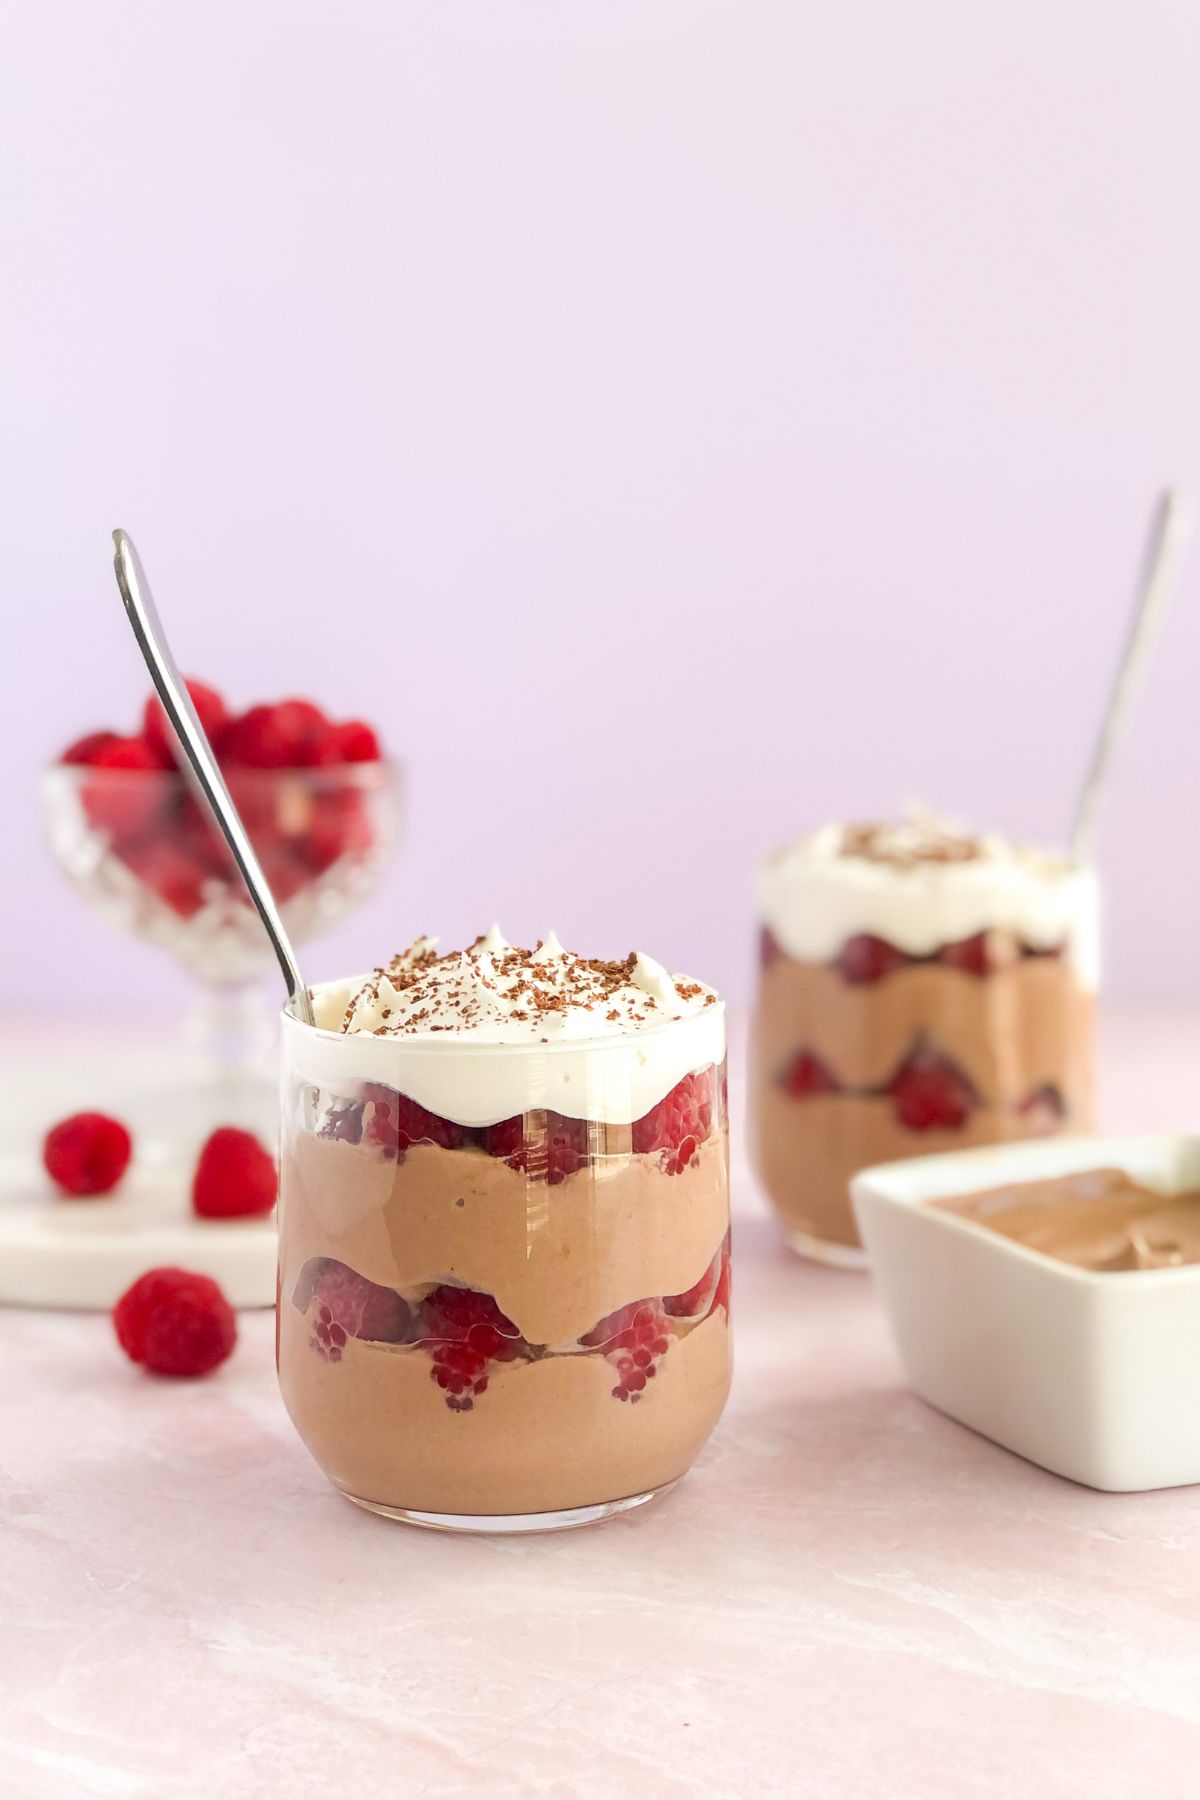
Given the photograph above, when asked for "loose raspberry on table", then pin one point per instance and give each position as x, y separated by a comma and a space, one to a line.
87, 1154
930, 1092
465, 1332
175, 1322
346, 1305
158, 730
679, 1124
807, 1077
235, 1176
635, 1338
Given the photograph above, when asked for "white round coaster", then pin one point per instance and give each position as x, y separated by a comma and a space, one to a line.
85, 1253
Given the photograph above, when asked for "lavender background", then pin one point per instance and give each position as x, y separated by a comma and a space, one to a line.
677, 423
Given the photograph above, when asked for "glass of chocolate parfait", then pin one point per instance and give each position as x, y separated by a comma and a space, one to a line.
504, 1234
920, 990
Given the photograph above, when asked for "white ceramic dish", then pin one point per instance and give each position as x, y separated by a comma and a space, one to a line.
84, 1253
1092, 1376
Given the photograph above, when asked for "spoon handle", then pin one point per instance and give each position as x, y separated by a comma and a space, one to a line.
172, 691
1170, 535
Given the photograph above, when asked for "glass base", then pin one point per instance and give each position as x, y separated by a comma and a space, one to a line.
511, 1524
823, 1250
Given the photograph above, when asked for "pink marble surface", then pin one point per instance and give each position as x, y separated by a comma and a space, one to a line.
850, 1596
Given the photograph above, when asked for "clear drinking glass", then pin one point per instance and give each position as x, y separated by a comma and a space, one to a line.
868, 1051
507, 1313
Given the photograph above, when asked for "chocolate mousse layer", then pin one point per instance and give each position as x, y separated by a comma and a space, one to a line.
547, 1436
1099, 1219
1015, 1046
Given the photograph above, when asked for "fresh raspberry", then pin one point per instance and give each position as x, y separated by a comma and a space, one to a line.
768, 948
865, 959
158, 730
465, 1332
347, 1305
175, 1323
807, 1077
196, 837
343, 1122
254, 740
634, 1339
308, 731
679, 1124
286, 875
340, 825
257, 794
394, 1123
1043, 1109
87, 1153
1039, 951
161, 865
87, 749
125, 800
545, 1146
355, 742
968, 954
697, 1299
506, 1140
235, 1177
931, 1093
294, 734
724, 1278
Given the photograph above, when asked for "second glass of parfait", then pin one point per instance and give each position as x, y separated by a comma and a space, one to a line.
919, 990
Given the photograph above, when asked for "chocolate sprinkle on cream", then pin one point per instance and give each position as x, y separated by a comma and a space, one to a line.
499, 993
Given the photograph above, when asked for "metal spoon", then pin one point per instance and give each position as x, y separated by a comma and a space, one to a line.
1166, 550
172, 691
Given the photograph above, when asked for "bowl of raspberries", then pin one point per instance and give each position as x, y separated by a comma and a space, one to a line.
318, 797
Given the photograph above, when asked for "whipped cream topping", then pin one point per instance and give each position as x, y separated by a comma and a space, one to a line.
501, 995
484, 1033
920, 884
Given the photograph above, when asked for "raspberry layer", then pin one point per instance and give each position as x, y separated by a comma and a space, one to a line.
833, 1082
466, 1336
550, 1436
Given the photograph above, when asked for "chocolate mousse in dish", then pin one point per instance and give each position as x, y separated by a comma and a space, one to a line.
1098, 1219
921, 989
504, 1233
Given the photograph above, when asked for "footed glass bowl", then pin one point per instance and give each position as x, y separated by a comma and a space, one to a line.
142, 851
